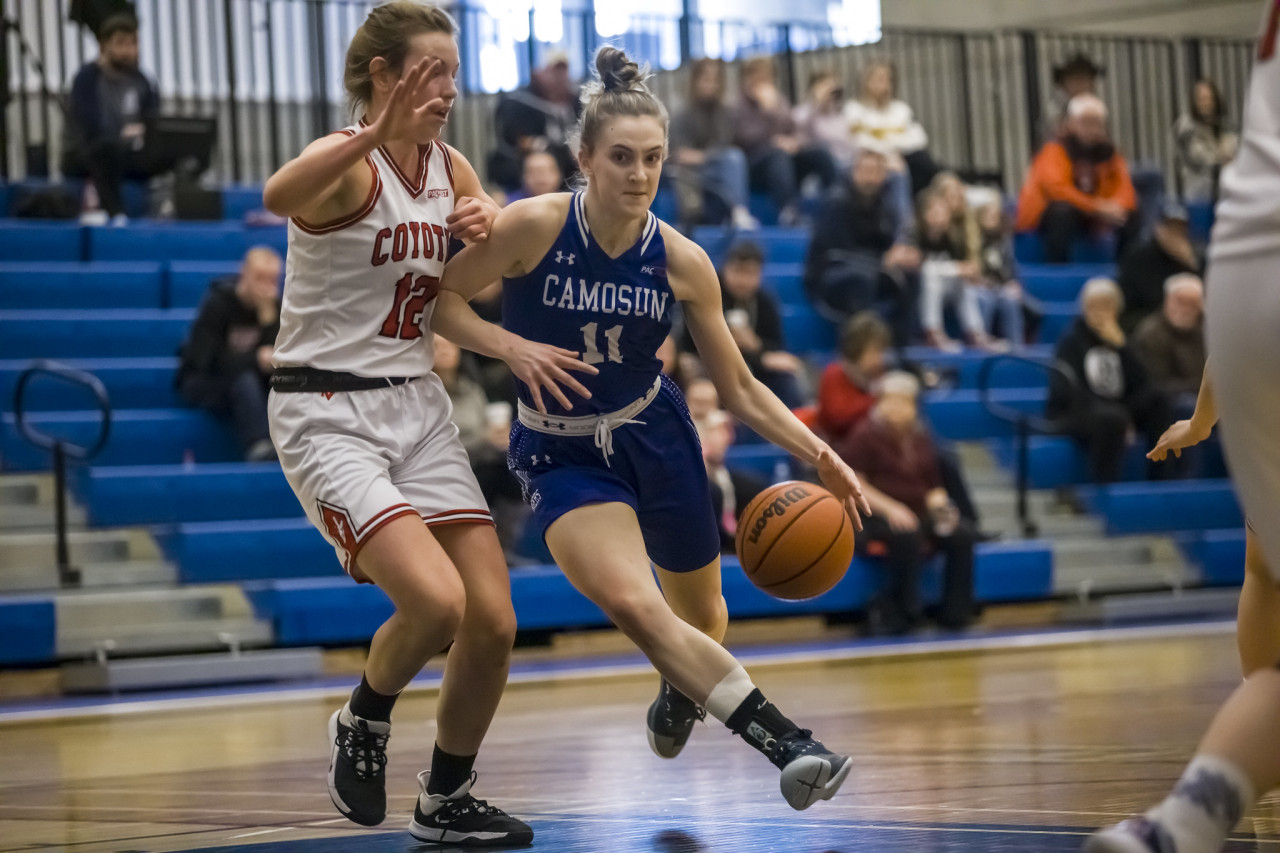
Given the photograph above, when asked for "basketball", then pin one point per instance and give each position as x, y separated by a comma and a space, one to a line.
795, 541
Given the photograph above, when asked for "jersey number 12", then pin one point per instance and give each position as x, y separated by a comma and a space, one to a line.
412, 295
591, 353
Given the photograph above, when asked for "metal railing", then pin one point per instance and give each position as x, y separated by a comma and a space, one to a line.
982, 96
61, 448
1024, 423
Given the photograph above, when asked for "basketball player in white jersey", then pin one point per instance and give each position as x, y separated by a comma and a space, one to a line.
363, 427
1239, 758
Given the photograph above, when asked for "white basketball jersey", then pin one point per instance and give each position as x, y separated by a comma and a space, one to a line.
359, 291
1248, 215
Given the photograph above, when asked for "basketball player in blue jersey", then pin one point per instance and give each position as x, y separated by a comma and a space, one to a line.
618, 480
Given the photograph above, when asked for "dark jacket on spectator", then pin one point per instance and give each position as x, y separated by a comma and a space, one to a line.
745, 488
102, 103
224, 340
755, 127
702, 126
850, 222
764, 319
1141, 276
904, 467
1174, 358
1103, 372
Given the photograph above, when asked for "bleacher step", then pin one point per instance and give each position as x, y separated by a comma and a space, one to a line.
112, 573
1137, 550
1136, 607
173, 671
156, 620
1084, 582
26, 503
19, 549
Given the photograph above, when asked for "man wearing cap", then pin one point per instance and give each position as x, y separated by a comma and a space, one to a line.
1144, 270
537, 117
1079, 75
1078, 184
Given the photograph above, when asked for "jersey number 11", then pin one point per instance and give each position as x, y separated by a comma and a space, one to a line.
591, 353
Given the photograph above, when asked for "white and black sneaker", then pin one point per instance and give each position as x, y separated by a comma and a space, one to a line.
463, 820
671, 719
358, 766
1136, 835
810, 771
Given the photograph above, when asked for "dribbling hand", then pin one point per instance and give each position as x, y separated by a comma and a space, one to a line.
542, 366
402, 119
843, 483
1176, 438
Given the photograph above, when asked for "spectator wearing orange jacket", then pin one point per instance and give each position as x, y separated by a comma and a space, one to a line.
1077, 183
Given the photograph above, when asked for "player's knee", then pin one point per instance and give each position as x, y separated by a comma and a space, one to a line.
637, 614
707, 615
493, 624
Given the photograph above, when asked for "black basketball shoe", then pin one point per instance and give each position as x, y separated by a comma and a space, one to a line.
358, 766
463, 820
671, 719
810, 771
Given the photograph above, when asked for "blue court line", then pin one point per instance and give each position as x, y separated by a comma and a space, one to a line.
597, 666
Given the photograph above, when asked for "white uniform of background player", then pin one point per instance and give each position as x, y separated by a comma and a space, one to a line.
1243, 308
358, 298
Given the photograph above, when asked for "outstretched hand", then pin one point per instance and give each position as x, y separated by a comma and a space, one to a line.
401, 119
843, 483
542, 366
1176, 438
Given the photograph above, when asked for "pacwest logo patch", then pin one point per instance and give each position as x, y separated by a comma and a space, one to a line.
776, 509
437, 193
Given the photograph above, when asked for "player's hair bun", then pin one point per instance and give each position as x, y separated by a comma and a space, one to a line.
617, 72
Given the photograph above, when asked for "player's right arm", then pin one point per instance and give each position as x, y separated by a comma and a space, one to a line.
522, 234
1191, 431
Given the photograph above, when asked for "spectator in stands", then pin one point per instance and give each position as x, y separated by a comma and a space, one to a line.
1171, 343
820, 120
846, 391
483, 426
1112, 395
964, 230
1144, 269
703, 150
540, 174
1079, 75
881, 122
701, 397
756, 323
226, 360
731, 490
860, 255
947, 274
1001, 299
110, 104
912, 516
1079, 184
537, 117
777, 160
1204, 143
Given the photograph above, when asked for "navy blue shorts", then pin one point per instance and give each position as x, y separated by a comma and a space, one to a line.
656, 469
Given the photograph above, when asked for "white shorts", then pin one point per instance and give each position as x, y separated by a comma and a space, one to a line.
359, 459
1243, 325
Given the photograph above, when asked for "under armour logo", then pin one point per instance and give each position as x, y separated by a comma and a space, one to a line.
562, 258
552, 425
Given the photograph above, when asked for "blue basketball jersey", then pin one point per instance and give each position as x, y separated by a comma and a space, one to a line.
616, 312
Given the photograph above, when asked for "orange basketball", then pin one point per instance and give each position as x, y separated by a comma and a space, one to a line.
795, 540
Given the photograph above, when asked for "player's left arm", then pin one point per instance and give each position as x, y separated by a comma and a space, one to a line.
694, 282
473, 209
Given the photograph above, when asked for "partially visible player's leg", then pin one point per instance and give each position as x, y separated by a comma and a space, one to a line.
602, 552
1258, 617
474, 677
696, 598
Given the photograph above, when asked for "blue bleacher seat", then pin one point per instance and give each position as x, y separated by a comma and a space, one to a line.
1218, 553
60, 284
1166, 506
28, 625
240, 200
1200, 217
138, 436
189, 280
805, 331
781, 245
169, 494
1058, 461
962, 368
188, 241
786, 282
132, 383
1058, 317
1028, 248
93, 333
42, 241
258, 549
1060, 282
959, 414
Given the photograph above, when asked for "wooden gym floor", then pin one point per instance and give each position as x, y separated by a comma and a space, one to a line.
1019, 743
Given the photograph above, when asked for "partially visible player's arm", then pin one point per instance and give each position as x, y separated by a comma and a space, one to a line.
695, 284
474, 268
1193, 430
320, 183
474, 211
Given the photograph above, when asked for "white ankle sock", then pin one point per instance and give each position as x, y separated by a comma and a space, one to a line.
1205, 805
729, 694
